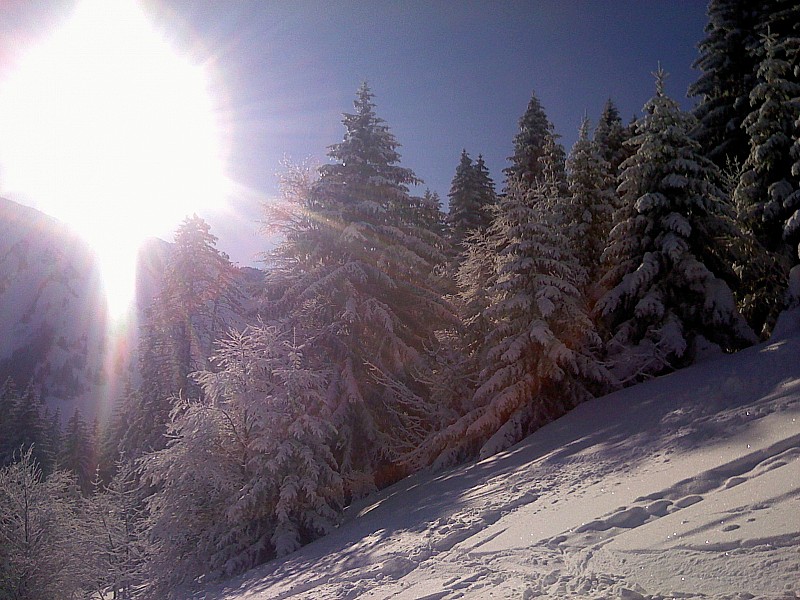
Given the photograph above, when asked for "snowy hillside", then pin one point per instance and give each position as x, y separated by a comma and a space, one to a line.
687, 486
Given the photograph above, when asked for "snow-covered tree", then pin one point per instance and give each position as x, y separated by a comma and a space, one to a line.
538, 358
767, 180
589, 206
765, 196
356, 270
201, 297
249, 473
669, 299
42, 552
116, 543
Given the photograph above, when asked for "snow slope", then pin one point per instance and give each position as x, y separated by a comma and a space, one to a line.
687, 486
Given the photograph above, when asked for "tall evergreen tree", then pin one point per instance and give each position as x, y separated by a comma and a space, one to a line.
610, 136
767, 180
529, 144
669, 288
589, 206
78, 452
24, 426
471, 197
356, 275
728, 66
200, 299
764, 195
537, 358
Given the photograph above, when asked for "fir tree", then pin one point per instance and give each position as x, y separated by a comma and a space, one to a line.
200, 299
610, 136
589, 205
727, 65
25, 425
670, 297
78, 452
538, 357
471, 197
765, 194
767, 180
534, 131
356, 270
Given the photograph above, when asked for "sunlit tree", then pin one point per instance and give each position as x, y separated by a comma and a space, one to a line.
200, 298
250, 473
538, 359
356, 268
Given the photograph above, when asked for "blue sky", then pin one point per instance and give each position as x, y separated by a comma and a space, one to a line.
446, 75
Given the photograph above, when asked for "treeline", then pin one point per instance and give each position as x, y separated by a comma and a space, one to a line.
388, 336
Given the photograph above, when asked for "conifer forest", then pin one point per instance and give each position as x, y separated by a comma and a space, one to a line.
390, 332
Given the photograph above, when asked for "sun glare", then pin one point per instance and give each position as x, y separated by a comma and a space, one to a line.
107, 128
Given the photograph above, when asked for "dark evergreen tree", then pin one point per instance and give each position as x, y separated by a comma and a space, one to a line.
728, 68
589, 206
529, 143
767, 180
471, 197
610, 136
78, 452
25, 425
765, 195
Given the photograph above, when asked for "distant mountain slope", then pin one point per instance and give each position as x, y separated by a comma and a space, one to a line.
52, 310
687, 486
54, 330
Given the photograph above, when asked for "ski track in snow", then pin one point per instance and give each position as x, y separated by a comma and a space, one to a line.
687, 486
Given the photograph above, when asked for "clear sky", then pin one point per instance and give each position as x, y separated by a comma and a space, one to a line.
446, 75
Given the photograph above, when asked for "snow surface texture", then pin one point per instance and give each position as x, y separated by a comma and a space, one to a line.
687, 486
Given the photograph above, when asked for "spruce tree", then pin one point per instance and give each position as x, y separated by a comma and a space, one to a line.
471, 197
589, 206
201, 297
529, 143
767, 180
765, 194
538, 357
78, 452
356, 271
670, 297
728, 66
610, 136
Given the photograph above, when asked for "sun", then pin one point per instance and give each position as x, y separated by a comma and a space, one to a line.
107, 127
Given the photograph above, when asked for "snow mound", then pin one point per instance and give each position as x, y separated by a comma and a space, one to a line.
687, 486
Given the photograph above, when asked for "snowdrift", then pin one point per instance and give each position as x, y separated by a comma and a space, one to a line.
687, 486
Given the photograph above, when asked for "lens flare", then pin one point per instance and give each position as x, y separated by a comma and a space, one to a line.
107, 127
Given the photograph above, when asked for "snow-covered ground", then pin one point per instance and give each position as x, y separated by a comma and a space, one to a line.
687, 486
